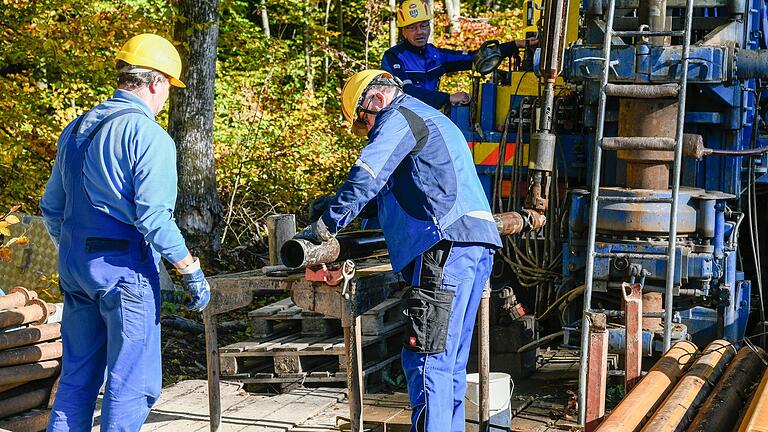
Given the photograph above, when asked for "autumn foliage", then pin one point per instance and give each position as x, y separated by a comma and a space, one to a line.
279, 137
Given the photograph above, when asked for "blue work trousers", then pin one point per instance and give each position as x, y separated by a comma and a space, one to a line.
435, 353
116, 331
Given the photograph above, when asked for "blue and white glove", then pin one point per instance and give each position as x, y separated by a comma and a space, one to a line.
196, 285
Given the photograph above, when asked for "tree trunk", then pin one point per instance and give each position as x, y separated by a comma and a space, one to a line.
310, 84
393, 23
340, 23
198, 208
431, 5
453, 9
265, 19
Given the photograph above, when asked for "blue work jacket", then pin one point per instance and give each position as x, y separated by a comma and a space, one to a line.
420, 69
129, 173
418, 167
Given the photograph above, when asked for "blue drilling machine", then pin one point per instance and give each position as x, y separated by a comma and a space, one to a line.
628, 153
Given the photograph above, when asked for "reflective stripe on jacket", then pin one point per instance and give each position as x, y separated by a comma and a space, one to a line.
419, 168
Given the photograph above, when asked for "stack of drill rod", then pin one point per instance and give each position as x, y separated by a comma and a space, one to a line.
30, 360
697, 391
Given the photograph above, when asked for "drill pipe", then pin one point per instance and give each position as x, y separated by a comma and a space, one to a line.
297, 253
23, 402
18, 296
754, 418
31, 354
30, 335
643, 399
36, 312
681, 405
29, 372
720, 411
32, 421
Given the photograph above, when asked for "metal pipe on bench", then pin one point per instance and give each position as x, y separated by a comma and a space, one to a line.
16, 297
720, 412
630, 413
297, 253
692, 389
29, 335
36, 312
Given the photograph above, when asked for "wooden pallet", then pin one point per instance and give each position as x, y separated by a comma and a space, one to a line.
373, 376
298, 354
383, 317
284, 317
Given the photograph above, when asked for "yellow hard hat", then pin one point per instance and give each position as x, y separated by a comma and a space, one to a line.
154, 52
354, 88
413, 11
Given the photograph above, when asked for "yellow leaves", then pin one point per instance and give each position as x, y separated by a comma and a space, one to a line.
5, 254
12, 219
4, 228
22, 241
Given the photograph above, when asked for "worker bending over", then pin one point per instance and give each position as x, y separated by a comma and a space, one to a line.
108, 205
439, 231
420, 65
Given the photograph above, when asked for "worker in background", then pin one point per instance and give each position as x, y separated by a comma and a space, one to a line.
420, 65
108, 206
438, 227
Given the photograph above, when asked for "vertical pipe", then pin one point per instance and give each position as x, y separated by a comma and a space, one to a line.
719, 238
595, 189
353, 341
210, 320
280, 229
483, 360
668, 294
598, 372
633, 342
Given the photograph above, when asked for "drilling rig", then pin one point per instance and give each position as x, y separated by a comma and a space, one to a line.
631, 144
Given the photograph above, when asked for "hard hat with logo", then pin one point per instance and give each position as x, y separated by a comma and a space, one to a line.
154, 52
413, 11
354, 88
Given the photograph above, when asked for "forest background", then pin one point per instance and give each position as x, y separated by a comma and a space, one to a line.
279, 139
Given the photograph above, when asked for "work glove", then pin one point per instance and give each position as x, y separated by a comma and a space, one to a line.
317, 232
318, 207
196, 286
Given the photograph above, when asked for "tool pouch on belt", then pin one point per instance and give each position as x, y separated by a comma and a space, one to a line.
427, 304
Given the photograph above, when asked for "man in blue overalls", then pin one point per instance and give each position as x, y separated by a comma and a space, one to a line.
420, 65
439, 231
108, 205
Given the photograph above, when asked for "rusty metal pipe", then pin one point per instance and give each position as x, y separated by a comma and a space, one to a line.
296, 253
754, 417
633, 410
36, 312
720, 412
30, 335
679, 408
31, 354
29, 372
32, 421
23, 402
16, 297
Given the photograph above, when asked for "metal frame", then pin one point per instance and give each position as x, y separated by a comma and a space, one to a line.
595, 198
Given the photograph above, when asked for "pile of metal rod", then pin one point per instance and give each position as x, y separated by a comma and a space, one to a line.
30, 360
688, 390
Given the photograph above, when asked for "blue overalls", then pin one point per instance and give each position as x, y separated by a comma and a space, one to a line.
440, 234
109, 278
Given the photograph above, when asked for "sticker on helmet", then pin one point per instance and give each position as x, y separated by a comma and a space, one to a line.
413, 6
414, 13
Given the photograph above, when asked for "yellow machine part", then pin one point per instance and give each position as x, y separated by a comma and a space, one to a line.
487, 153
526, 84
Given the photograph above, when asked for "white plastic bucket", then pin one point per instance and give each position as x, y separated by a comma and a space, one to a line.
500, 390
